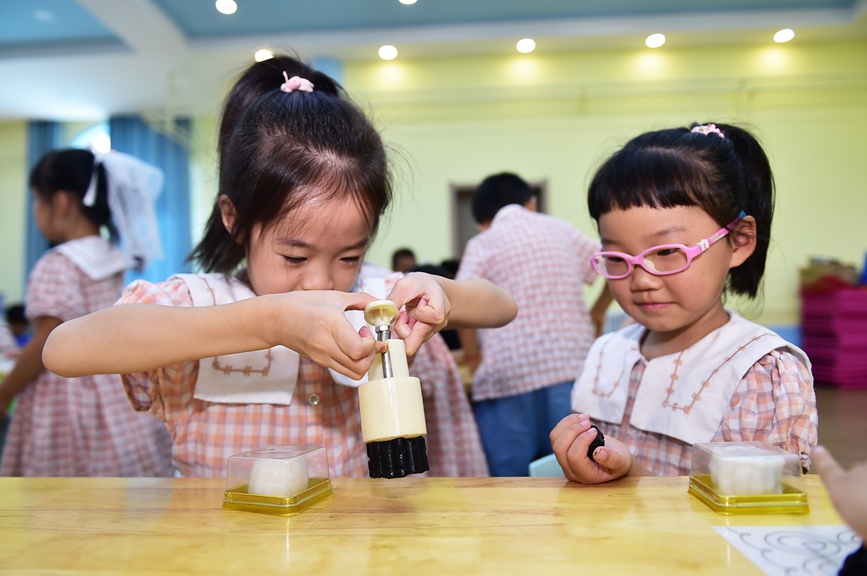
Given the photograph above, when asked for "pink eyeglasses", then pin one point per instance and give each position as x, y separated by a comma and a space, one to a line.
660, 260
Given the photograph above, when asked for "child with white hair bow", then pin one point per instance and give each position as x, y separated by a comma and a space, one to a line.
83, 426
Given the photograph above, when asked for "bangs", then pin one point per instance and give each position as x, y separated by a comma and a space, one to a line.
309, 176
654, 177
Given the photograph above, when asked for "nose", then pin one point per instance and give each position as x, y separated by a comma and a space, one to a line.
317, 277
641, 279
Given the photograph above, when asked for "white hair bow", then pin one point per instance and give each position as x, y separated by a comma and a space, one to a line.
133, 188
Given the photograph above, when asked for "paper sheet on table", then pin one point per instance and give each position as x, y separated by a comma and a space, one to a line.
793, 550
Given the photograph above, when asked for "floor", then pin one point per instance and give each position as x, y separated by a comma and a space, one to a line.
843, 423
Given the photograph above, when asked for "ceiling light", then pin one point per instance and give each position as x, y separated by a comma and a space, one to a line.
263, 54
226, 6
655, 40
101, 143
784, 35
407, 2
526, 45
388, 52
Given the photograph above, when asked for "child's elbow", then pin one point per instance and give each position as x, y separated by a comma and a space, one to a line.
53, 355
509, 309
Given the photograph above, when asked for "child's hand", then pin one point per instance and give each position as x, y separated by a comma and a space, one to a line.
846, 489
571, 439
426, 312
318, 329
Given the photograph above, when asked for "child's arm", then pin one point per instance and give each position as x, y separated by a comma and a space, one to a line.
432, 302
29, 363
571, 439
140, 337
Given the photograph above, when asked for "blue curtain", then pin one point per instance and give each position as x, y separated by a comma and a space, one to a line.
132, 136
330, 66
42, 137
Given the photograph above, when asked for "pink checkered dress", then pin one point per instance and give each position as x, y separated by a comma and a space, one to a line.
774, 402
205, 434
79, 426
454, 447
543, 262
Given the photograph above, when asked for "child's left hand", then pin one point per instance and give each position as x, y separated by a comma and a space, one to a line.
426, 311
571, 439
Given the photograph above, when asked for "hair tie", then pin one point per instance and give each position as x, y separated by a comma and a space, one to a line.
296, 83
708, 129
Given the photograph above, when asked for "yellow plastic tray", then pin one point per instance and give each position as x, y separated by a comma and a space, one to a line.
237, 498
791, 501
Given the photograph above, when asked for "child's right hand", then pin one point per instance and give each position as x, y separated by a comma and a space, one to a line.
314, 324
571, 439
426, 309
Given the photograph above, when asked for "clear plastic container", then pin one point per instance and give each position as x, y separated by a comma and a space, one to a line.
747, 478
279, 480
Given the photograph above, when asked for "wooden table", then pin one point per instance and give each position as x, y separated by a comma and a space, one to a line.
418, 526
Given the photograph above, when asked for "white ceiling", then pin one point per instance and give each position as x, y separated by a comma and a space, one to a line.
87, 59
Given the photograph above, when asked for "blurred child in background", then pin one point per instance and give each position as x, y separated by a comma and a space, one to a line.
526, 369
82, 426
18, 323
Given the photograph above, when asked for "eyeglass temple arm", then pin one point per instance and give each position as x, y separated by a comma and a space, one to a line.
711, 240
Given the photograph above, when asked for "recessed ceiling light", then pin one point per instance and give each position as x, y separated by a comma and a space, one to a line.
226, 6
407, 2
655, 40
263, 54
388, 52
784, 35
526, 45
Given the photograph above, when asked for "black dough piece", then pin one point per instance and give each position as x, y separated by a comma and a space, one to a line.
397, 457
597, 442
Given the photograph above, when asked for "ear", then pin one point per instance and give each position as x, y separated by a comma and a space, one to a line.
228, 214
62, 200
532, 204
743, 241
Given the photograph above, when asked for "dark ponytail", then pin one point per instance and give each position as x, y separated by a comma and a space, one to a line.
755, 192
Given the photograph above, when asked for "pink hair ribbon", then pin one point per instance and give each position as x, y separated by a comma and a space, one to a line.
296, 83
708, 129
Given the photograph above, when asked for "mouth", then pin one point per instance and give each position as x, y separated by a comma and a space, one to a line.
652, 306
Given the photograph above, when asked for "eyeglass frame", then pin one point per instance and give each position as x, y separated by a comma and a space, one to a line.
692, 252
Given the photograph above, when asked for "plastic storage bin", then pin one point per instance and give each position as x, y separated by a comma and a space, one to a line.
834, 336
747, 478
278, 480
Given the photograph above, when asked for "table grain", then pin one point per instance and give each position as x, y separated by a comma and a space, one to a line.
416, 525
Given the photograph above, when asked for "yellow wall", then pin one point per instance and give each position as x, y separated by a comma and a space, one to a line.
13, 209
556, 117
203, 173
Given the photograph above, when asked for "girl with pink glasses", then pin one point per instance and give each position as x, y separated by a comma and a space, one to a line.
684, 216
